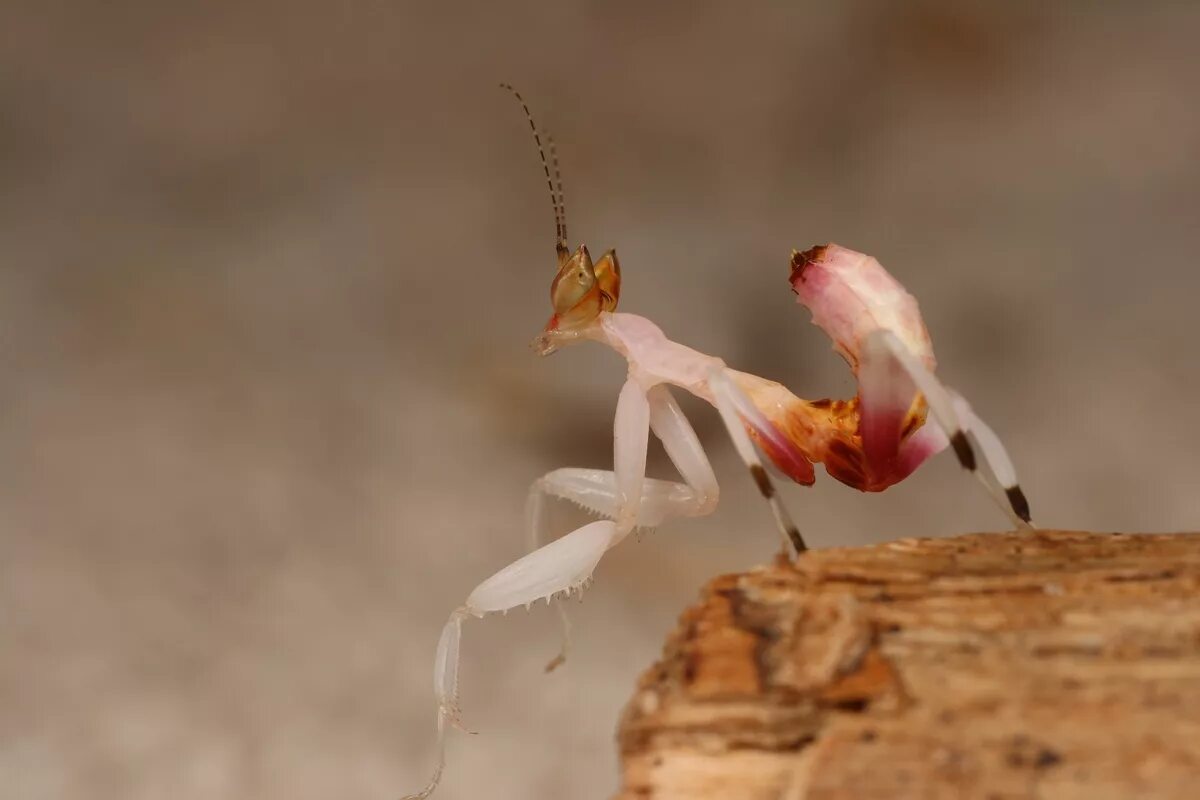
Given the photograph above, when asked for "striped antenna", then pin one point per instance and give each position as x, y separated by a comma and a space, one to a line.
560, 222
562, 201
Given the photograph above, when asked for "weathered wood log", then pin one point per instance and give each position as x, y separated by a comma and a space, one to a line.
1048, 665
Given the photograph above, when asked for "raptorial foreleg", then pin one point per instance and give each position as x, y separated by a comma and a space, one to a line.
558, 568
596, 490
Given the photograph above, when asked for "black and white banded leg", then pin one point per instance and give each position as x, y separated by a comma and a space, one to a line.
733, 406
972, 440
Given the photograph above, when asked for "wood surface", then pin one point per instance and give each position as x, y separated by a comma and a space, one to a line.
1011, 665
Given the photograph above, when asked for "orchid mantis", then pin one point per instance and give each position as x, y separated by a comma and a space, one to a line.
870, 442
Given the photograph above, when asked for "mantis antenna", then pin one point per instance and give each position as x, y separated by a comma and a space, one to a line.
562, 201
560, 214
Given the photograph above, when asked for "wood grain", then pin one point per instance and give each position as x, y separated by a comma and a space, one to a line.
1048, 665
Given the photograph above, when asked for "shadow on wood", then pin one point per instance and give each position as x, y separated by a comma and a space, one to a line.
1048, 665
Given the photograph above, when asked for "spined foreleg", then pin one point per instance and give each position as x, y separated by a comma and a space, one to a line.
596, 490
565, 565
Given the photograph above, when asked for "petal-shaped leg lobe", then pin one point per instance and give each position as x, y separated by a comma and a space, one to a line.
561, 566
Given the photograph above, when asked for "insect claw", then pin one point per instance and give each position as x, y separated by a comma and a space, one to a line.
456, 723
453, 716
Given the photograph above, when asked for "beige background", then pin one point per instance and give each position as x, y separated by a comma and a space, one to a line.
267, 278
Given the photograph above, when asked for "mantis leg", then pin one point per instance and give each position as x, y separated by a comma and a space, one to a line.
889, 378
734, 406
558, 568
596, 490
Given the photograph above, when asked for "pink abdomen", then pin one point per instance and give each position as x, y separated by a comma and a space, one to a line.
823, 431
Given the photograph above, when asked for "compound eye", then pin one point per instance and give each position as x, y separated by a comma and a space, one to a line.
571, 285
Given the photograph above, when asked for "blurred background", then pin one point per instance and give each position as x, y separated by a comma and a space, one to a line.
268, 273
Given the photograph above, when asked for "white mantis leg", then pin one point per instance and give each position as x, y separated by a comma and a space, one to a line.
699, 496
538, 537
596, 490
558, 568
561, 567
1005, 489
890, 375
733, 405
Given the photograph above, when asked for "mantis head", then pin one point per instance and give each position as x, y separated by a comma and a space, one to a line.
580, 292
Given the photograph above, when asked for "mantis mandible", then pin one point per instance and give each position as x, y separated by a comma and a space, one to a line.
870, 441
